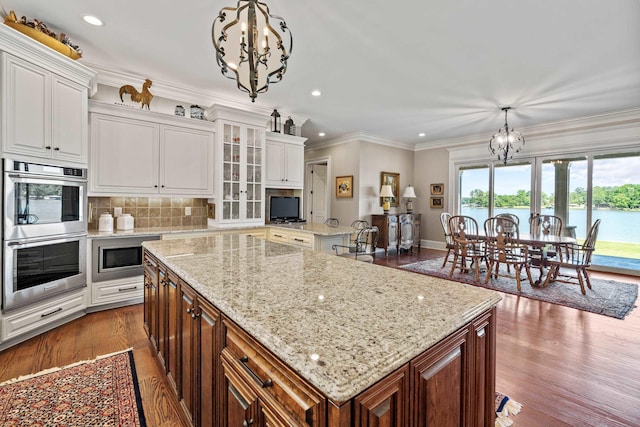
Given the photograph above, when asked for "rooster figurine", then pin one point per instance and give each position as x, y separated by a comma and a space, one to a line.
143, 97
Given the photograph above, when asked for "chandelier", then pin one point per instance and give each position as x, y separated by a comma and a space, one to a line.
507, 141
244, 46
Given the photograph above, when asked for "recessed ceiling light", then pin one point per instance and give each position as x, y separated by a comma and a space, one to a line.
316, 93
321, 134
421, 134
92, 20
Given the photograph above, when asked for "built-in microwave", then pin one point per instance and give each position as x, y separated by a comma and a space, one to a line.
117, 257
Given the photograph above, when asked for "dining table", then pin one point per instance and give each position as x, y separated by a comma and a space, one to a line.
544, 245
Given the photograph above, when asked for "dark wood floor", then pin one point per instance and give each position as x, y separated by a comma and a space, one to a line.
567, 367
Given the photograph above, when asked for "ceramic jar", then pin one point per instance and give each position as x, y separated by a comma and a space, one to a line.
105, 223
125, 222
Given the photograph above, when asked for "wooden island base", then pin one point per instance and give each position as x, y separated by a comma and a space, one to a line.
224, 377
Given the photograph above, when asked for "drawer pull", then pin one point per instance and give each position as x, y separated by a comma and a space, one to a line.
131, 288
246, 423
263, 384
59, 309
278, 235
298, 240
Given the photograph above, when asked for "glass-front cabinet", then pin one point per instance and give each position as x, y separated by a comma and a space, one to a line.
240, 189
242, 195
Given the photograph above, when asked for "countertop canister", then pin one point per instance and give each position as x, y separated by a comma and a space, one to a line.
125, 222
105, 223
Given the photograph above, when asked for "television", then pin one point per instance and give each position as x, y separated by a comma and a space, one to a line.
284, 209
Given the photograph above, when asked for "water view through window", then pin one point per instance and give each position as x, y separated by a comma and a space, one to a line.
564, 191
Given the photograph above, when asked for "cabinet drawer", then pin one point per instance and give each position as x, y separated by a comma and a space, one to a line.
279, 236
277, 385
27, 320
113, 292
301, 239
151, 268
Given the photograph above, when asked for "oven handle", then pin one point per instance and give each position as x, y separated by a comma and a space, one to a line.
47, 178
51, 239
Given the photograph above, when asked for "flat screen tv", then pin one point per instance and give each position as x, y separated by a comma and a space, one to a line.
284, 209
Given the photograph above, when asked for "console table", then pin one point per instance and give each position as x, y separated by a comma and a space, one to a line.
398, 231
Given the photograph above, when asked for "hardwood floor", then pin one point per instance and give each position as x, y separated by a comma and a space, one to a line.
567, 367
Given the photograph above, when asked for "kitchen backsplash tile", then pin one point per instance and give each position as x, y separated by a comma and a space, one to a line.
149, 212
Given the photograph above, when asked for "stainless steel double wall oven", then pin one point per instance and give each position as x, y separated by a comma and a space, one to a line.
44, 235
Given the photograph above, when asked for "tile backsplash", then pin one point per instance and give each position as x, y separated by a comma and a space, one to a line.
150, 212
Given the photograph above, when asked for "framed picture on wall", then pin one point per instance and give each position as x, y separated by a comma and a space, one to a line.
437, 202
344, 186
392, 179
437, 189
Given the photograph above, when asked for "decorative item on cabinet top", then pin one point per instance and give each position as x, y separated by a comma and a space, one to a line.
289, 127
144, 97
38, 31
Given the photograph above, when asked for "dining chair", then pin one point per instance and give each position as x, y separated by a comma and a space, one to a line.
504, 247
363, 246
512, 217
467, 244
576, 257
332, 222
448, 239
545, 224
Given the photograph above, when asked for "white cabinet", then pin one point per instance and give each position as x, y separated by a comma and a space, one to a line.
44, 114
240, 166
148, 153
284, 166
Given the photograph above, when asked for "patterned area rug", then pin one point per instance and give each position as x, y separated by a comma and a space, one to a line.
608, 297
102, 392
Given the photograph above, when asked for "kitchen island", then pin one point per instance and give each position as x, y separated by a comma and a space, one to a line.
278, 335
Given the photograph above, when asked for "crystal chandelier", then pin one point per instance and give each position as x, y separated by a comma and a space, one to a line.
507, 141
244, 46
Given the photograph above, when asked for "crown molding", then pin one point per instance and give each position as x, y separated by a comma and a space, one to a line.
358, 137
28, 49
617, 119
184, 93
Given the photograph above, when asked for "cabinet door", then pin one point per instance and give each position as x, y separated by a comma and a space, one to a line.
406, 231
186, 393
151, 299
440, 380
392, 231
69, 122
231, 173
294, 163
386, 403
207, 373
274, 164
124, 155
172, 341
252, 177
239, 401
186, 161
26, 107
163, 321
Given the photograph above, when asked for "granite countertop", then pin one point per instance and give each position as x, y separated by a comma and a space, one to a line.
341, 324
314, 228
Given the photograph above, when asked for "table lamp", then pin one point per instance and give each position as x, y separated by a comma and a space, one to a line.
386, 193
409, 193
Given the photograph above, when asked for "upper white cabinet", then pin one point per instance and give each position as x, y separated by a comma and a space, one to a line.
240, 166
44, 102
285, 161
140, 152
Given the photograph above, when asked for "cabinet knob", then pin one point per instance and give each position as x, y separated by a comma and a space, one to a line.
48, 147
155, 186
57, 149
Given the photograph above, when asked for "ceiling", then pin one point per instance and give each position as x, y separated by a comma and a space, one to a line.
439, 67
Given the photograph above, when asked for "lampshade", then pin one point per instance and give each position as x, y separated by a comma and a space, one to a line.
386, 191
409, 193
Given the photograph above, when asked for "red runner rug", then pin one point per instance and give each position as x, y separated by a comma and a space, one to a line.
102, 392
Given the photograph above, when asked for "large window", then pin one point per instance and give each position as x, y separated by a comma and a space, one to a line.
578, 188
